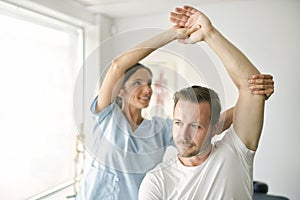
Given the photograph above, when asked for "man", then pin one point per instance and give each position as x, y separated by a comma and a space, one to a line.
202, 170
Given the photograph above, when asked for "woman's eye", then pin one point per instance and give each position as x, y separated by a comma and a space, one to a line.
149, 83
137, 83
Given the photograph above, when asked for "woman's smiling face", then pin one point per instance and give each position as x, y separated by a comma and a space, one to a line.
137, 90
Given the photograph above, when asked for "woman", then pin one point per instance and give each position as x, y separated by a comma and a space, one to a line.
127, 145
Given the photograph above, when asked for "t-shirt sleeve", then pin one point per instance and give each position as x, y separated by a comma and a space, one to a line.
150, 188
240, 147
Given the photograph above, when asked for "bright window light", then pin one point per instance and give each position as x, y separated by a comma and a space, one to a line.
38, 67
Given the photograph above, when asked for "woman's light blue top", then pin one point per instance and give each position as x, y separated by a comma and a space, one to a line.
122, 156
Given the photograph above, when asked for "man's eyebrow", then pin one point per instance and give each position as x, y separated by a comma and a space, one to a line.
198, 124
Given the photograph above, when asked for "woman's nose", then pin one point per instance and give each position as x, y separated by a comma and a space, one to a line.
147, 89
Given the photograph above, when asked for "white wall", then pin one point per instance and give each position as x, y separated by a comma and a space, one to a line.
267, 31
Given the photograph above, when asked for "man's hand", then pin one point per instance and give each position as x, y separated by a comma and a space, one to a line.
194, 20
182, 33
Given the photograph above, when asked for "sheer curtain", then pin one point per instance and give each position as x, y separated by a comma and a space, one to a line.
40, 58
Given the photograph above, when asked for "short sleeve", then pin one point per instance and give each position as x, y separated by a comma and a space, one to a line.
240, 146
102, 114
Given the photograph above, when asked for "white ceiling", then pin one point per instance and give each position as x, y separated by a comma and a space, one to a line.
128, 8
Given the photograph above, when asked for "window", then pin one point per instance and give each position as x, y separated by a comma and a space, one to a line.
40, 58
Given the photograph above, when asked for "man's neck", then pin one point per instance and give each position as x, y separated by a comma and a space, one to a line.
197, 159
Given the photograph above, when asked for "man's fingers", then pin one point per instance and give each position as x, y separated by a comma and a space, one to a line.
179, 16
177, 22
190, 9
183, 11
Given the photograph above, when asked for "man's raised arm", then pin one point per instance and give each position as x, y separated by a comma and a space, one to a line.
249, 109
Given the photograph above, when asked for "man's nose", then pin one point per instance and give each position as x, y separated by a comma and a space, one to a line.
185, 133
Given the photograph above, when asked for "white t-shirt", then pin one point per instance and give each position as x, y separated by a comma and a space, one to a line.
226, 174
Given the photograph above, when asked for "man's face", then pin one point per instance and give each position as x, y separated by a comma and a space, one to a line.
191, 127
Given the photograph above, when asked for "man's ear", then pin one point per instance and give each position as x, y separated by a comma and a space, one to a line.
217, 129
121, 93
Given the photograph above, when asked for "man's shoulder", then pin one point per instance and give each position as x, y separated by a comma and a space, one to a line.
164, 166
223, 138
231, 144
